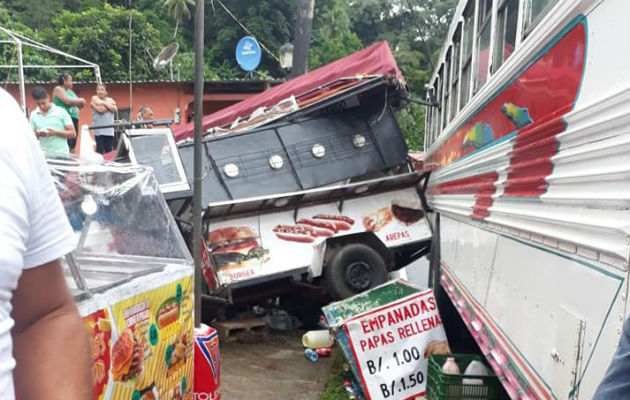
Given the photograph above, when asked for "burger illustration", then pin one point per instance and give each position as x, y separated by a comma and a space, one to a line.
127, 357
236, 247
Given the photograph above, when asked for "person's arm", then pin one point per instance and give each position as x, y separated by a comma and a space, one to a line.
111, 105
59, 93
50, 341
68, 133
99, 105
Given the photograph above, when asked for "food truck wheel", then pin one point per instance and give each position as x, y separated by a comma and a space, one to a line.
354, 268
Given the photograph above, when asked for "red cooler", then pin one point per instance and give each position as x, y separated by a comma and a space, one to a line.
207, 364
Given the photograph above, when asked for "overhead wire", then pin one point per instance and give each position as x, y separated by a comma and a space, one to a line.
245, 28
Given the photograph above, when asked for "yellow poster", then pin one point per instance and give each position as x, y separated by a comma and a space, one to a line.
98, 327
151, 351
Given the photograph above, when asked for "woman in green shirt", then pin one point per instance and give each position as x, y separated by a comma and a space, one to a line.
64, 97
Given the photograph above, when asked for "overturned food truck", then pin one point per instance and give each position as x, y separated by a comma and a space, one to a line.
308, 183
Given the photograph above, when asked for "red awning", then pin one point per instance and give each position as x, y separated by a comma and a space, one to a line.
374, 60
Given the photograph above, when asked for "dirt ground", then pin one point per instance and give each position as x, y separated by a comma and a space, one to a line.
274, 369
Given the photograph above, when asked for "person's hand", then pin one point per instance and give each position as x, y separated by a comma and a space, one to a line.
49, 133
81, 102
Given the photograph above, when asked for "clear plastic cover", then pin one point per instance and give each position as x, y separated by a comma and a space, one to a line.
122, 223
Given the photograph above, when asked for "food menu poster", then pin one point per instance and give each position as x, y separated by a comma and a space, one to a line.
142, 346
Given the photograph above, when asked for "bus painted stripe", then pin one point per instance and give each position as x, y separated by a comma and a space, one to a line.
530, 160
540, 385
482, 186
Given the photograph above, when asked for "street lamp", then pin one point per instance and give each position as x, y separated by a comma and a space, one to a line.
286, 56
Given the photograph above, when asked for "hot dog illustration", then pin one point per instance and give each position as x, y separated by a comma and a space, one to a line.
341, 222
294, 233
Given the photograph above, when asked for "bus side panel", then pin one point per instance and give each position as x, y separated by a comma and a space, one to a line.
535, 221
547, 321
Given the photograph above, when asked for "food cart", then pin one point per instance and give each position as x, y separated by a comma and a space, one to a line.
132, 278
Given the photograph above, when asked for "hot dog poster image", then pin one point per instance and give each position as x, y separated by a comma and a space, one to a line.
152, 353
261, 245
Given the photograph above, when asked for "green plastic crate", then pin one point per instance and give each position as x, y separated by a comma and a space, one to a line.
441, 386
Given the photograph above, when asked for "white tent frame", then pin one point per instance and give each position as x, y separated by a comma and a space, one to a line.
20, 41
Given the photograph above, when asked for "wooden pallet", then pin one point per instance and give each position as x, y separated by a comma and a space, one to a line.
253, 330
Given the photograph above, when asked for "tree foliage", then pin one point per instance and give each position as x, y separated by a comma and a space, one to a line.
100, 35
332, 37
178, 9
415, 30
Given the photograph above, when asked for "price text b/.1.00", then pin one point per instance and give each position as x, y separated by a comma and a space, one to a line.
400, 358
401, 384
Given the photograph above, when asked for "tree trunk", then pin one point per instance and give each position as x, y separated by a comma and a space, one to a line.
302, 42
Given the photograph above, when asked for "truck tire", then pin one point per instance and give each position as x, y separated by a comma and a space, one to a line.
354, 268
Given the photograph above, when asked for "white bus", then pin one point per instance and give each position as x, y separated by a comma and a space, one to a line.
529, 147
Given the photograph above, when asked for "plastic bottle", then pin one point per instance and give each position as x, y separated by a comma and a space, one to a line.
323, 351
317, 339
311, 355
450, 367
475, 368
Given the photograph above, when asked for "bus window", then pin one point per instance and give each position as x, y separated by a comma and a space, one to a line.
483, 42
435, 119
454, 106
534, 10
440, 100
447, 88
467, 42
506, 32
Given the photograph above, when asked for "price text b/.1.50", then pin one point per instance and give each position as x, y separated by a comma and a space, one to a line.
401, 384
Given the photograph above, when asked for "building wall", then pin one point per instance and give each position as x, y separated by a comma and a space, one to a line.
164, 97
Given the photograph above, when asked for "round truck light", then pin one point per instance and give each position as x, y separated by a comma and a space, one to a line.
318, 150
276, 162
358, 141
231, 170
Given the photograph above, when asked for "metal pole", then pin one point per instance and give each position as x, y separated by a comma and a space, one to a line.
197, 178
97, 74
302, 42
21, 75
130, 60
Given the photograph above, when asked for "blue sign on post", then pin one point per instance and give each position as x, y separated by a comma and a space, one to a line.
248, 53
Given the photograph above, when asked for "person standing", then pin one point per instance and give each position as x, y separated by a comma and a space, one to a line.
64, 97
52, 124
44, 347
103, 112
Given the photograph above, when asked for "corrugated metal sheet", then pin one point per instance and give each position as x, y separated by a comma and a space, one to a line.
579, 202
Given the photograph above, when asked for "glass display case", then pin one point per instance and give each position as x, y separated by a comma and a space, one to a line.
123, 226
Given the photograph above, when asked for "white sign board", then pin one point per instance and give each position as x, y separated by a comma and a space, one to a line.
391, 346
